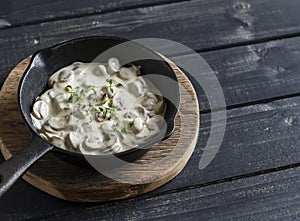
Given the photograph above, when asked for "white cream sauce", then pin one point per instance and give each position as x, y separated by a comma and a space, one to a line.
94, 108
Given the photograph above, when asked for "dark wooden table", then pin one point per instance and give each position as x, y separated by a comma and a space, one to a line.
254, 48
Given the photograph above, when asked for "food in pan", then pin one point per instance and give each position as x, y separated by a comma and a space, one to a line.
95, 108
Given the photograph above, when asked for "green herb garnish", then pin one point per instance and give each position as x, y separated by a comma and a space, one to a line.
118, 85
124, 130
104, 108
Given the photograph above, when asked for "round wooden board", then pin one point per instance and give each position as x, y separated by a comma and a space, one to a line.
74, 183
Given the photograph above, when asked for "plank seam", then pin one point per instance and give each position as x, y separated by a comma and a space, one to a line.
245, 104
246, 43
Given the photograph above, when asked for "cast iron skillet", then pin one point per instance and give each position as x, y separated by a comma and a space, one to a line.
34, 82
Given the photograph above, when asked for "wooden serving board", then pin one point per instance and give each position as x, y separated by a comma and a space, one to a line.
75, 183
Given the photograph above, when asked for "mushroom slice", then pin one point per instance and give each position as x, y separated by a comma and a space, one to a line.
51, 93
43, 136
70, 120
128, 140
49, 135
61, 98
136, 70
160, 107
107, 127
155, 126
40, 109
65, 108
66, 76
137, 87
60, 87
57, 123
99, 117
57, 141
94, 143
47, 128
149, 102
130, 115
94, 97
46, 97
118, 102
86, 128
156, 123
52, 80
142, 112
80, 113
73, 140
113, 65
138, 124
77, 71
36, 123
77, 68
144, 133
127, 73
115, 148
109, 140
61, 102
100, 70
77, 64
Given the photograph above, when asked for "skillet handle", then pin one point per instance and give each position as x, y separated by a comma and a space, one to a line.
14, 167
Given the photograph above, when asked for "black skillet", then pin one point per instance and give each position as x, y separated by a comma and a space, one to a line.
34, 82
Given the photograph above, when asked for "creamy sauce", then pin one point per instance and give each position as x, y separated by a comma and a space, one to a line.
94, 108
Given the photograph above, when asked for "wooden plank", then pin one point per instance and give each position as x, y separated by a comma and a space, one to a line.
217, 28
231, 19
237, 149
258, 137
18, 12
200, 24
253, 73
238, 70
273, 196
247, 74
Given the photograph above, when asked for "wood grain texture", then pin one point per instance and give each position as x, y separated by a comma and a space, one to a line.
201, 25
268, 197
245, 145
226, 22
252, 74
18, 12
70, 182
260, 137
